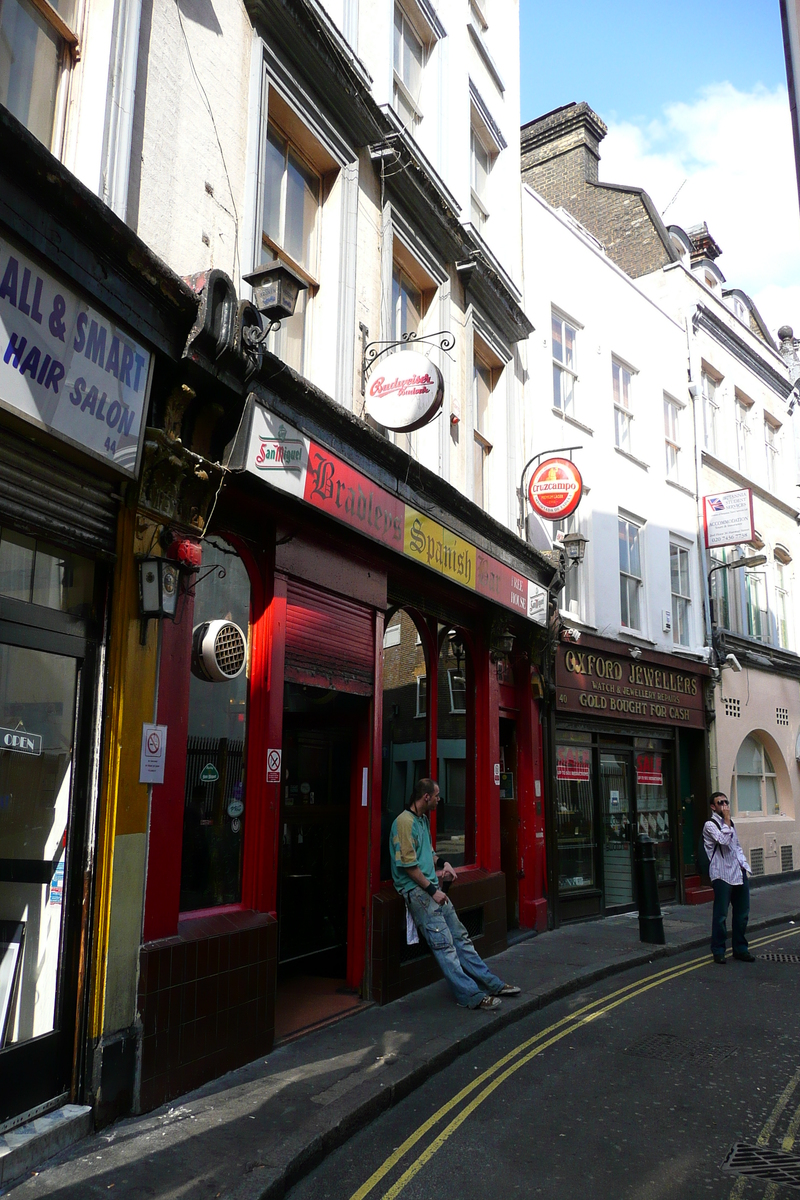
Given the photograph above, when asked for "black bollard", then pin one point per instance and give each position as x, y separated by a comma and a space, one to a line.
651, 922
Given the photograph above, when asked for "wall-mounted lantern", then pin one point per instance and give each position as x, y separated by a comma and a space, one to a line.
574, 547
159, 580
276, 289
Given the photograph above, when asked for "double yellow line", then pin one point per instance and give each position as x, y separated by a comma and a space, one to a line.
505, 1067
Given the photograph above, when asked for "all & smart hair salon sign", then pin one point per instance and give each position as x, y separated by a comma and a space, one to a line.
66, 367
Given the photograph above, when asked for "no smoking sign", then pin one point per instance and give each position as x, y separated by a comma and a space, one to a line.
273, 766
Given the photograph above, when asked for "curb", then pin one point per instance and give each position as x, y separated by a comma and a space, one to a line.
371, 1107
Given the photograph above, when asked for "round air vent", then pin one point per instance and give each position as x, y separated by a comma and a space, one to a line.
219, 651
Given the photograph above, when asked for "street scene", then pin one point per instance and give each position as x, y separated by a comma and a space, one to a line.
399, 631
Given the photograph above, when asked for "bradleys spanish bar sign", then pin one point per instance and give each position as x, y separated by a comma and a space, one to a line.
595, 683
290, 461
68, 369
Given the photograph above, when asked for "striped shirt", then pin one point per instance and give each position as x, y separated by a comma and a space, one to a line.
724, 851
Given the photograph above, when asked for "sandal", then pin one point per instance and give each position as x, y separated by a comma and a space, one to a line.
509, 989
489, 1002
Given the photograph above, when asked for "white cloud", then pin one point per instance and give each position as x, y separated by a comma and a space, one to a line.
731, 155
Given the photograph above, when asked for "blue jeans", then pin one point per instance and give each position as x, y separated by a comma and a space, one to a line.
463, 968
738, 896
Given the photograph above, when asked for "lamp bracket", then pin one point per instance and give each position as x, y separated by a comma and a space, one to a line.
254, 338
374, 350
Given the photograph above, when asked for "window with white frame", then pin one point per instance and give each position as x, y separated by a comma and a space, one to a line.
406, 304
422, 696
409, 59
38, 48
623, 418
482, 385
480, 164
571, 596
672, 438
565, 364
630, 573
290, 231
742, 413
771, 451
710, 411
720, 593
755, 781
458, 690
755, 591
782, 585
681, 595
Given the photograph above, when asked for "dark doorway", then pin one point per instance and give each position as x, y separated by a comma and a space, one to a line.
319, 737
509, 819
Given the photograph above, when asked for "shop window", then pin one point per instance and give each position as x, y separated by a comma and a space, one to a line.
652, 807
214, 804
754, 779
405, 741
38, 573
455, 817
575, 829
38, 47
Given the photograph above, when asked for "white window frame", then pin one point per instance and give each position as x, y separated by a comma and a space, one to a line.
772, 433
574, 575
765, 775
399, 85
672, 438
565, 372
456, 673
742, 409
68, 54
421, 712
482, 446
623, 412
477, 195
755, 581
631, 580
681, 601
708, 388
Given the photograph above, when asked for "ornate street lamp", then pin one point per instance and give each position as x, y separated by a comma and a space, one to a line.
276, 288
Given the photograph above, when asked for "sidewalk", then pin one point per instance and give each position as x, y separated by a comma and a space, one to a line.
256, 1131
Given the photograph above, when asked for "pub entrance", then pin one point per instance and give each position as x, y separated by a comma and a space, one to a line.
610, 787
317, 890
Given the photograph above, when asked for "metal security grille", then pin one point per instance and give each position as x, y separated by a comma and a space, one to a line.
665, 1047
44, 496
757, 860
780, 956
787, 858
211, 796
230, 649
763, 1163
733, 708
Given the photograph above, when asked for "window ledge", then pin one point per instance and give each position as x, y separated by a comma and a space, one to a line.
632, 457
573, 621
573, 421
634, 638
681, 488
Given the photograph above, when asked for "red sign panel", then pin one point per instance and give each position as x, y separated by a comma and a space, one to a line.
572, 763
555, 489
333, 486
648, 770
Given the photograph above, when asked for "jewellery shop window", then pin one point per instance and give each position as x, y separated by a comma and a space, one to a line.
575, 826
405, 721
652, 800
214, 801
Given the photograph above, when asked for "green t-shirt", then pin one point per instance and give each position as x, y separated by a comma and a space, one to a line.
410, 846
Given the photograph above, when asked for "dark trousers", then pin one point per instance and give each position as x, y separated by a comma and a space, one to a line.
738, 897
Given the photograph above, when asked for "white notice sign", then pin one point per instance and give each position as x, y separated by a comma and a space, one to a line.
728, 518
154, 752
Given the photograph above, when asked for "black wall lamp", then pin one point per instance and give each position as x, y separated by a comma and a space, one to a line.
276, 289
159, 580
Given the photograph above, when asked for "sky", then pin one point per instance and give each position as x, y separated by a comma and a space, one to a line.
694, 97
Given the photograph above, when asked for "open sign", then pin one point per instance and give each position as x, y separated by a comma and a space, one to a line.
20, 742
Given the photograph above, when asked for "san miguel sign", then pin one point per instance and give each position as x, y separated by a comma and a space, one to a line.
293, 463
594, 683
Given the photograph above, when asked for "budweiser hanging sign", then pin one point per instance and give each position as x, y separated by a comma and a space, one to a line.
555, 489
405, 391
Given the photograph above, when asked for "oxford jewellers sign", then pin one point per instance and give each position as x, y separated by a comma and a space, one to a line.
280, 455
67, 368
405, 392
